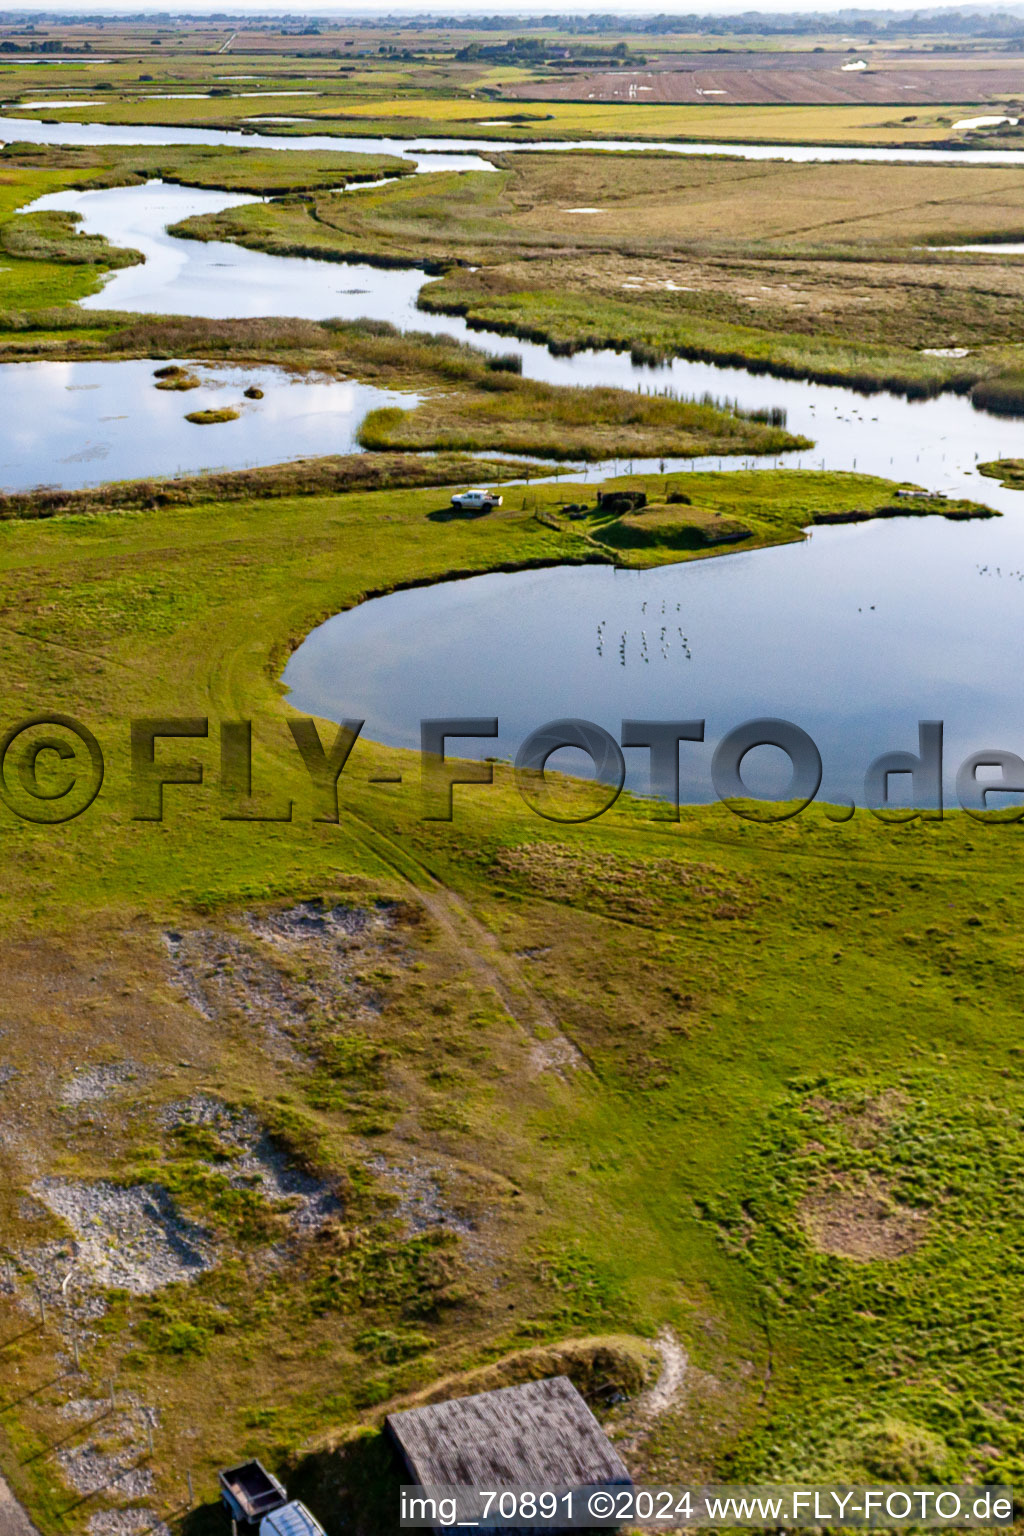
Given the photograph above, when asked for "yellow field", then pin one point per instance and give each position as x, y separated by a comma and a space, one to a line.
826, 125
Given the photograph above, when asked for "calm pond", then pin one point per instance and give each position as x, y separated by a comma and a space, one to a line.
78, 424
855, 636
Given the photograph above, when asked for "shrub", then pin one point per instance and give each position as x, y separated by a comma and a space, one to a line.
1001, 396
505, 362
618, 503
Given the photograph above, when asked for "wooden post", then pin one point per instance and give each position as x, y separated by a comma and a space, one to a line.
42, 1309
74, 1350
191, 1496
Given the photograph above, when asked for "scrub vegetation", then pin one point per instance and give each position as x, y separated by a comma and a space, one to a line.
473, 405
1009, 472
512, 415
211, 418
301, 477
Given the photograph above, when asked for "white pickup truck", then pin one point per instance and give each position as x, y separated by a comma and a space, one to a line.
478, 500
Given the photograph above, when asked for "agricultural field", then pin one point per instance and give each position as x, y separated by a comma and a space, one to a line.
495, 85
381, 107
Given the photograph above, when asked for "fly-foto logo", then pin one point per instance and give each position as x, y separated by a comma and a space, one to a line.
52, 769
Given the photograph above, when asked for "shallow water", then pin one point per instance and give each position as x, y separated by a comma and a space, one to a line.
431, 155
80, 424
422, 146
39, 106
218, 280
935, 442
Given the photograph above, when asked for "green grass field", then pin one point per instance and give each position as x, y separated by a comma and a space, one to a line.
770, 1038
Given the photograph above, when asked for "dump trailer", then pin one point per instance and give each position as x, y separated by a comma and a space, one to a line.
250, 1493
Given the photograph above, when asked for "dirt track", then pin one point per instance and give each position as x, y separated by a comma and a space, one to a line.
13, 1519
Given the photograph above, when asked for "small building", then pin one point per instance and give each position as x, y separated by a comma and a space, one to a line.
539, 1435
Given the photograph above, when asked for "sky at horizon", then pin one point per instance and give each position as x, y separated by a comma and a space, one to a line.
326, 8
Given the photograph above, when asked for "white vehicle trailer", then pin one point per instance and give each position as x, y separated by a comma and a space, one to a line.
292, 1519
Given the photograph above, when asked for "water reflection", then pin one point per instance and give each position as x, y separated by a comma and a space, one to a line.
80, 424
854, 636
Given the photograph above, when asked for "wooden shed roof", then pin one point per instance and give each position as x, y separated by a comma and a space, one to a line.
540, 1434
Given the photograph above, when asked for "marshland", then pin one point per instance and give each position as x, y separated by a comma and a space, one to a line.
433, 1106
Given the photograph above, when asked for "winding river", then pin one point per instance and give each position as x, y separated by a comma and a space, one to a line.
856, 634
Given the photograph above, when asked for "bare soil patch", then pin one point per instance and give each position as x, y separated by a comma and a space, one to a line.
860, 1221
791, 80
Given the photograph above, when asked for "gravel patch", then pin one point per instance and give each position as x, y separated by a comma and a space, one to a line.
118, 1470
131, 1417
126, 1522
133, 1238
258, 1162
281, 969
7, 1074
87, 1469
83, 1407
46, 1267
421, 1203
309, 922
91, 1083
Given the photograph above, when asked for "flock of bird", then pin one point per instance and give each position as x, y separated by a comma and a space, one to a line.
664, 643
997, 570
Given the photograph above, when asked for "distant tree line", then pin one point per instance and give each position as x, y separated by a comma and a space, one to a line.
971, 21
538, 50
